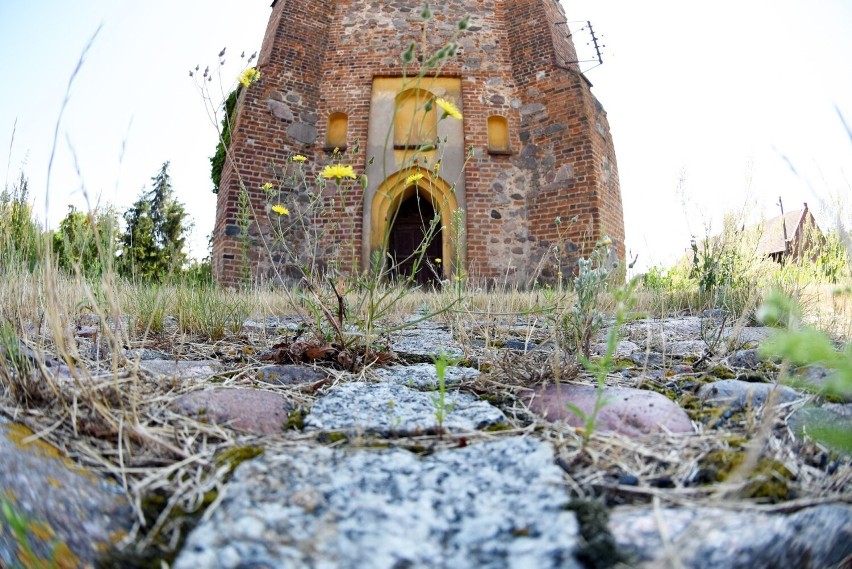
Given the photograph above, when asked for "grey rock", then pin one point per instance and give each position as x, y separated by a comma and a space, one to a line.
747, 335
685, 347
739, 394
426, 342
144, 354
389, 408
648, 359
746, 359
182, 369
249, 410
817, 421
273, 324
531, 109
622, 349
302, 132
493, 505
659, 333
290, 375
280, 110
820, 379
78, 513
713, 538
631, 412
424, 376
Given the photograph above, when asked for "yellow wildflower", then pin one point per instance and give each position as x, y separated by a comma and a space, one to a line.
299, 158
450, 110
249, 76
267, 187
437, 166
414, 178
280, 210
438, 261
338, 171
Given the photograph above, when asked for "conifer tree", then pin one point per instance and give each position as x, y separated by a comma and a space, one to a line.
155, 237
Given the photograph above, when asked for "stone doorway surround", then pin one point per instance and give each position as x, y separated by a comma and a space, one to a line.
392, 170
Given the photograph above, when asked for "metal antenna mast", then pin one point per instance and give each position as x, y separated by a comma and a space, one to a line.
594, 43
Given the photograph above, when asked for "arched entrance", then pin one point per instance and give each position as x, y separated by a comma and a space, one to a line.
402, 209
415, 226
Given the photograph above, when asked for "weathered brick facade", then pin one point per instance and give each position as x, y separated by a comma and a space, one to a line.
515, 61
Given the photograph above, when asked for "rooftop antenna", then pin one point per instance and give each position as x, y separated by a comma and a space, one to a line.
593, 43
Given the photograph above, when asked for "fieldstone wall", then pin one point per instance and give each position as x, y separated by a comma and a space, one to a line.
514, 61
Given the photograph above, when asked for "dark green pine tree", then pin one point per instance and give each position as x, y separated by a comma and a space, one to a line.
155, 237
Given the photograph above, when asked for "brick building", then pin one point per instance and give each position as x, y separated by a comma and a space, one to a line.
532, 152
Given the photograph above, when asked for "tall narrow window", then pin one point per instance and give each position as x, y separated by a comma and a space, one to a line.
335, 137
416, 120
498, 135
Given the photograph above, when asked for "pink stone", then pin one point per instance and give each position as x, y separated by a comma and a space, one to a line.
250, 410
631, 412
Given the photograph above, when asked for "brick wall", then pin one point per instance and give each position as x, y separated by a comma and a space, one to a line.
321, 57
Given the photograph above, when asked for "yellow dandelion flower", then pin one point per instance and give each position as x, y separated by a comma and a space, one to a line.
280, 210
249, 76
438, 261
450, 110
338, 171
414, 178
299, 158
267, 187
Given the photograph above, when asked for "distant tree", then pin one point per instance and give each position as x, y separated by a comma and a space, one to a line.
154, 241
20, 234
87, 242
217, 162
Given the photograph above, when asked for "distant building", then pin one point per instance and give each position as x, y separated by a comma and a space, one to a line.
792, 235
530, 167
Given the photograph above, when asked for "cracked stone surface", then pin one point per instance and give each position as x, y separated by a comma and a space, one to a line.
423, 376
389, 408
713, 538
490, 505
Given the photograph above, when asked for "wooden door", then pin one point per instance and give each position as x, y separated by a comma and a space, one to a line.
408, 232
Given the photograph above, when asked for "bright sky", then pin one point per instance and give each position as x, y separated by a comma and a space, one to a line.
723, 94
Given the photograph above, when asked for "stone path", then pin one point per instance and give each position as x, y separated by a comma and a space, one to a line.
498, 501
490, 505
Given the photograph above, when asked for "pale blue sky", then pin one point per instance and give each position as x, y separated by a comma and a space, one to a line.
722, 91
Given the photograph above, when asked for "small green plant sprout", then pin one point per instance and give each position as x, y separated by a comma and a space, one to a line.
800, 345
439, 400
600, 368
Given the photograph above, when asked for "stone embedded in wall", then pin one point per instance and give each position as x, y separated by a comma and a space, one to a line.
531, 109
280, 110
302, 132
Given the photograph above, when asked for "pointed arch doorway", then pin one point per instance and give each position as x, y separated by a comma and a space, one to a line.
401, 215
